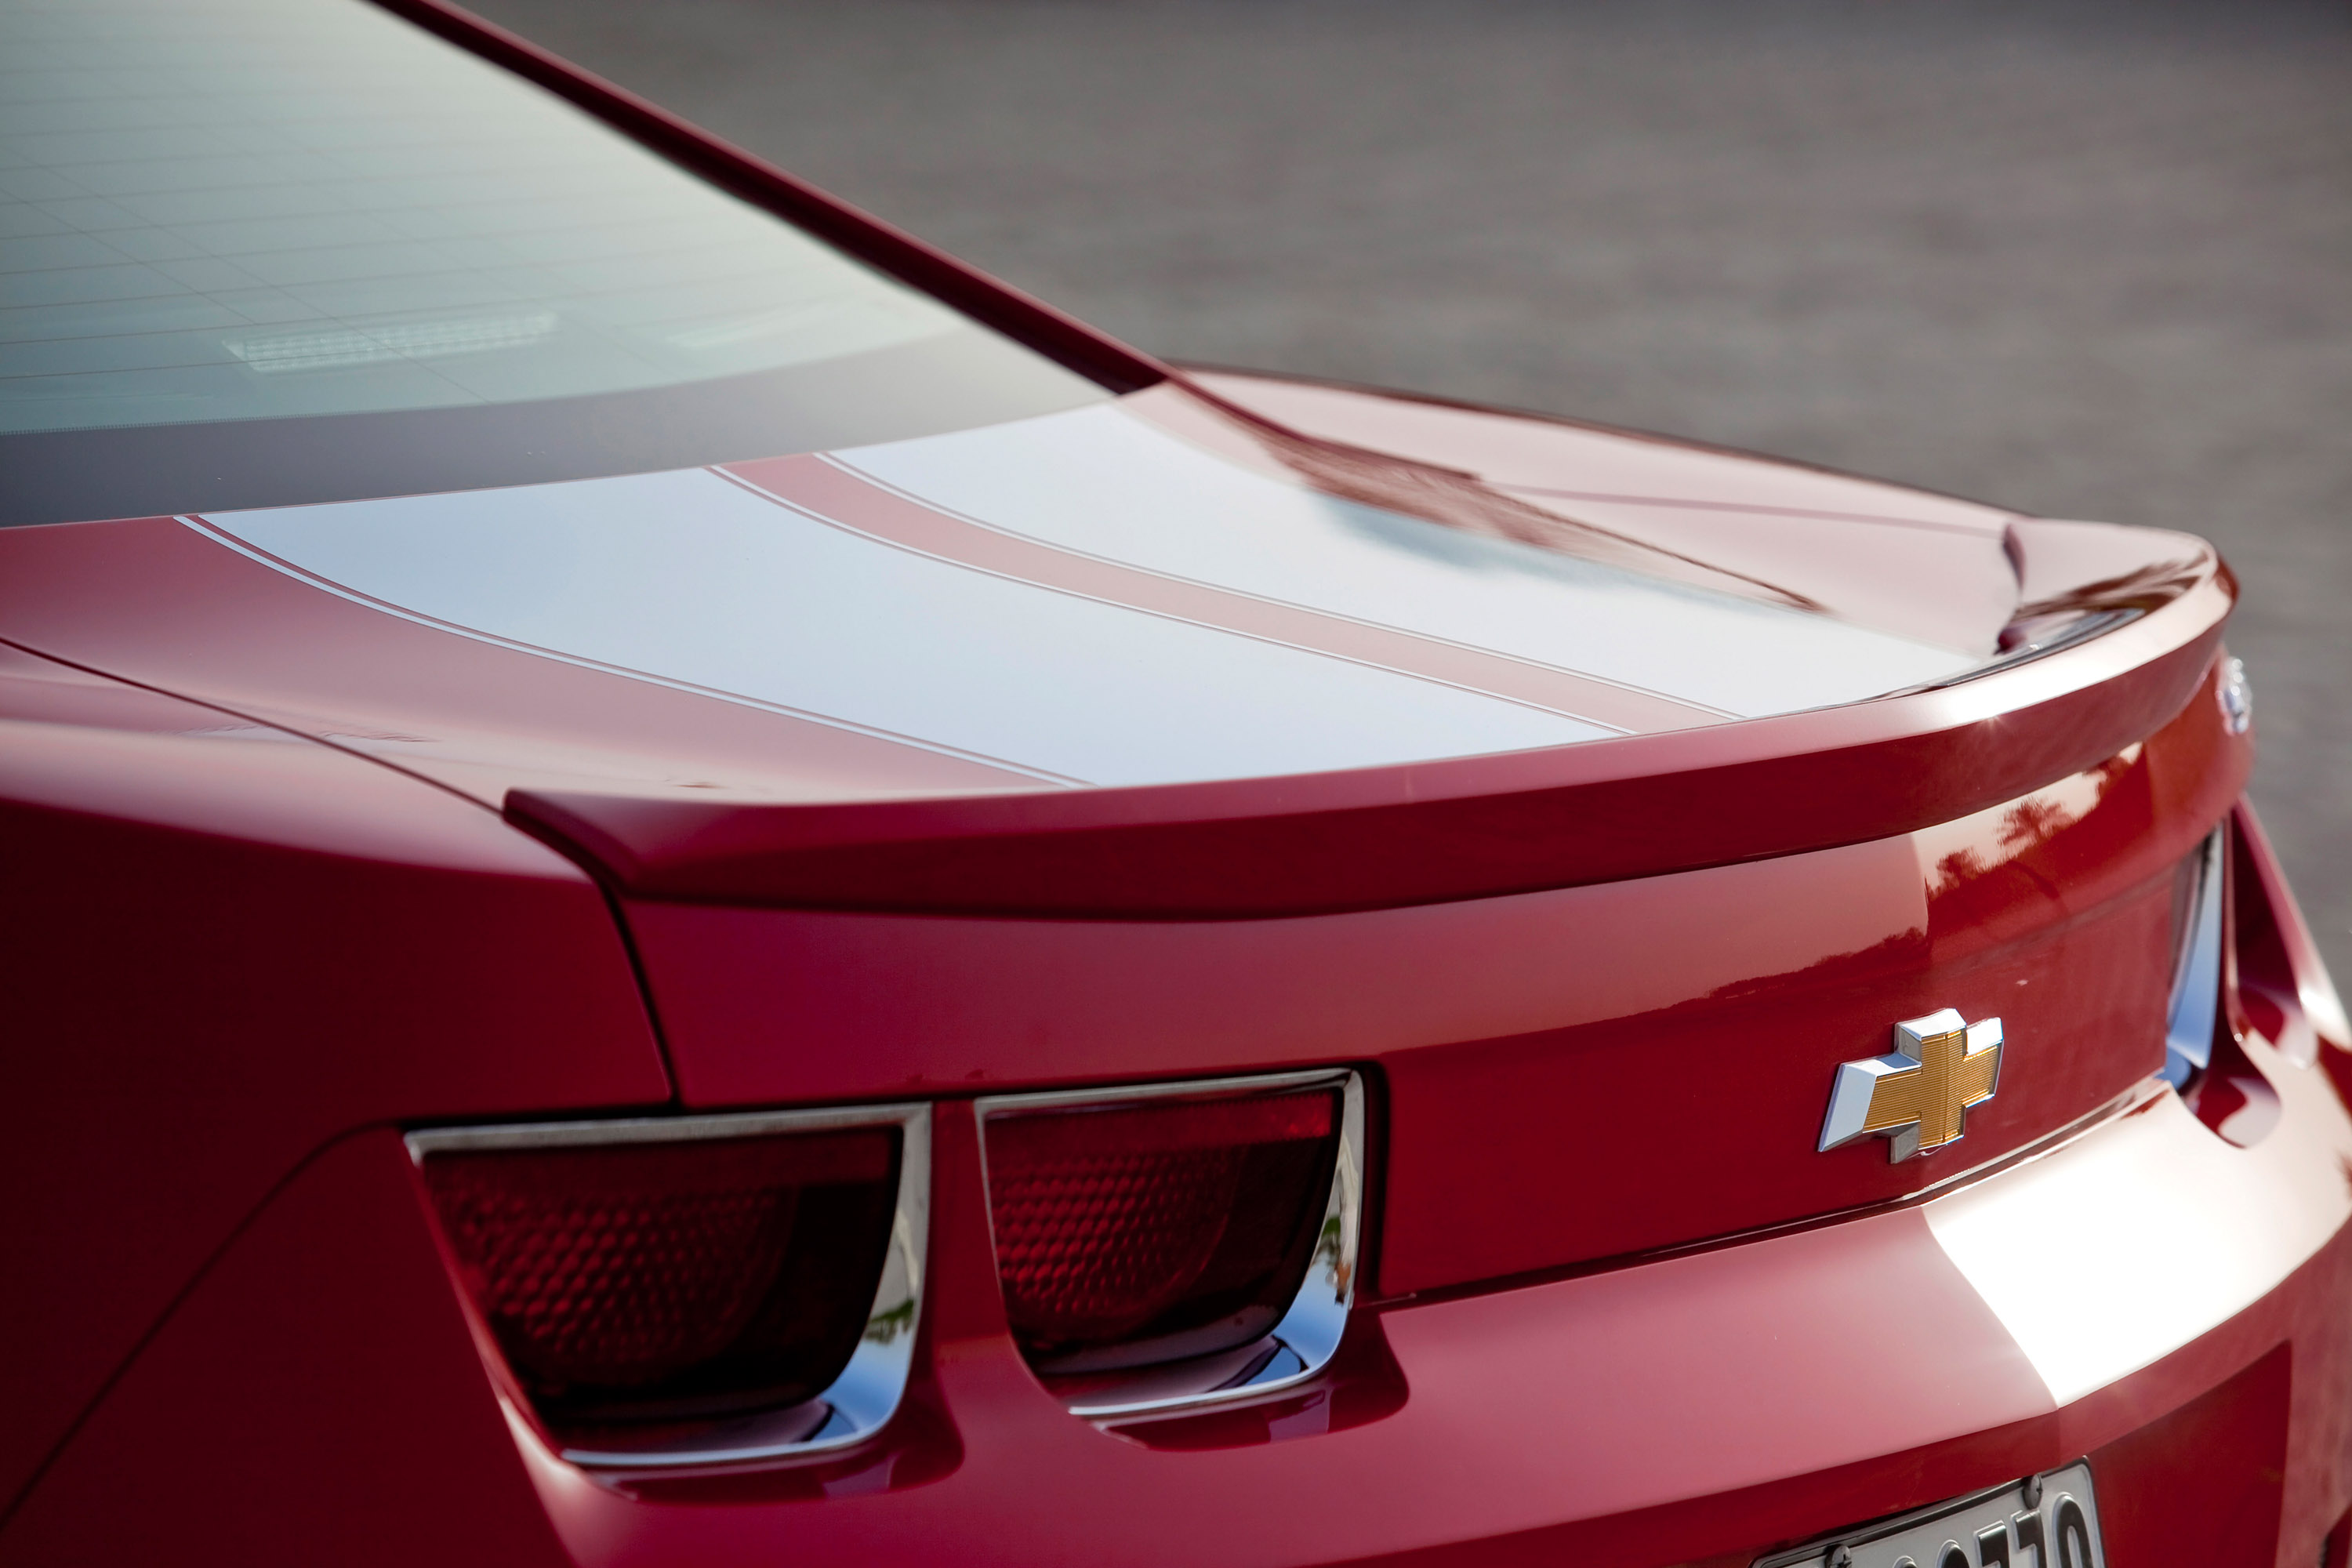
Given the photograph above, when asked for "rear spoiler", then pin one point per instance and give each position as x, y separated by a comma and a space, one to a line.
1476, 826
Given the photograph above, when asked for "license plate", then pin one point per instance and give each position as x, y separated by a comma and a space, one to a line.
2050, 1521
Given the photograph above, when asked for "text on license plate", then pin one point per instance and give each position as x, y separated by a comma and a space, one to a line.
2051, 1521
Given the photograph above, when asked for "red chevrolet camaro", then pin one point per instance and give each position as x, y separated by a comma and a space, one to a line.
685, 887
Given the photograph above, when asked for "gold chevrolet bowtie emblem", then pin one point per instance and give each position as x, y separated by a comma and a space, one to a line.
1919, 1096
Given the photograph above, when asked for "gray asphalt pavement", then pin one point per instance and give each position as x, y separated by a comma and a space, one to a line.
2088, 258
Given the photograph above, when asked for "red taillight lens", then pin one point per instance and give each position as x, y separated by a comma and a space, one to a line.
1140, 1229
667, 1281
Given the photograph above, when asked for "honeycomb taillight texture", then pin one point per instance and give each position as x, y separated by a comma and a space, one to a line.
660, 1281
1166, 1226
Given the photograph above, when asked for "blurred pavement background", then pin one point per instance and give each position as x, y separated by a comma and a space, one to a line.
2085, 257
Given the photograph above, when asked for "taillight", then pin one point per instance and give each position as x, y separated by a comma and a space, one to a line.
1160, 1245
687, 1291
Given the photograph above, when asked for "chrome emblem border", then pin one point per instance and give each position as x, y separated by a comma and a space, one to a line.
1918, 1096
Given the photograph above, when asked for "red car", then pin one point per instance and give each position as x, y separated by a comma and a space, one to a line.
686, 887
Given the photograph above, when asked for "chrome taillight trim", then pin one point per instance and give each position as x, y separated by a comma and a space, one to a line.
2194, 1011
862, 1400
1309, 1333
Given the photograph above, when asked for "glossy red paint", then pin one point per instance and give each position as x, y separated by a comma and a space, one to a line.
227, 946
264, 914
1611, 1006
1875, 553
151, 601
2205, 1483
767, 1006
317, 1396
1713, 1405
1467, 828
2277, 976
1593, 462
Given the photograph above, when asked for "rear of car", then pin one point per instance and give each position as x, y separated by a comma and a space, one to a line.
685, 887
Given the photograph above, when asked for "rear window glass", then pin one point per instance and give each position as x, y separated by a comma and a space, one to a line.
288, 210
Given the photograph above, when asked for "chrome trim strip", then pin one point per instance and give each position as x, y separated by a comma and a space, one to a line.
2192, 1016
653, 1129
859, 1402
1054, 1100
1303, 1342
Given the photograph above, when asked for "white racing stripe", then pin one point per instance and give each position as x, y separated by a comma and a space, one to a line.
691, 580
2130, 1242
1104, 482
